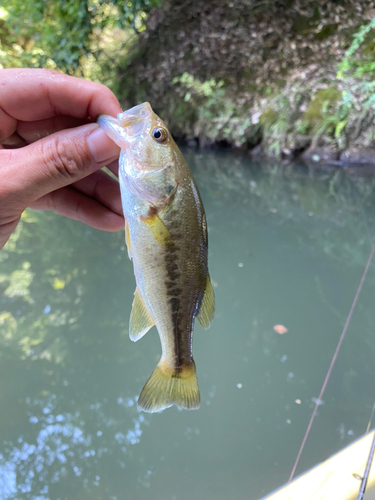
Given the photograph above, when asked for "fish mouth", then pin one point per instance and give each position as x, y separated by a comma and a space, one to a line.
134, 119
128, 125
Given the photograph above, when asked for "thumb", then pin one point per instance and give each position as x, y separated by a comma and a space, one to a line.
54, 162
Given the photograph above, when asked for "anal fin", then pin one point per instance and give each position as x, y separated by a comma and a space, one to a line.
140, 320
207, 309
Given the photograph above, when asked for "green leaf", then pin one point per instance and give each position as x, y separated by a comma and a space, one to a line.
339, 128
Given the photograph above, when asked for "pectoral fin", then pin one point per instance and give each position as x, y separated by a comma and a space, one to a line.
158, 230
207, 309
127, 240
140, 320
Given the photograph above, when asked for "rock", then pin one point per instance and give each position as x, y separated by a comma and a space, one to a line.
358, 155
321, 155
255, 117
257, 151
192, 143
204, 142
287, 152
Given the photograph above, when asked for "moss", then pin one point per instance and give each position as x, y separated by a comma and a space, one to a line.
369, 47
268, 117
303, 24
327, 31
323, 102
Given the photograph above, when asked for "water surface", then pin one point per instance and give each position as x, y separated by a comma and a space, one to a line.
287, 246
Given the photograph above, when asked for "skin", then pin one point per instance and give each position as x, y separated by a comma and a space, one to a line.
51, 151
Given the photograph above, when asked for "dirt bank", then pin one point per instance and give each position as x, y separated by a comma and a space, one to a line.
262, 76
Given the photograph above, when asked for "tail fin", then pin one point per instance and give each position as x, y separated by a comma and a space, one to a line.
169, 386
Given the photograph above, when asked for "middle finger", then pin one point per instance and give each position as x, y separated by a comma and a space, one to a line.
103, 188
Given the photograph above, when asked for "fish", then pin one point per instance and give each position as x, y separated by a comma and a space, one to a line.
166, 238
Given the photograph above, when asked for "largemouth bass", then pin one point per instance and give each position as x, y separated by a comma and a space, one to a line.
166, 237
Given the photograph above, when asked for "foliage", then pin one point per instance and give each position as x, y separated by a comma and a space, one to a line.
358, 61
206, 97
214, 84
275, 123
67, 35
357, 68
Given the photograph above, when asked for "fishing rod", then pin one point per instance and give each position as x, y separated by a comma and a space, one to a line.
367, 471
372, 449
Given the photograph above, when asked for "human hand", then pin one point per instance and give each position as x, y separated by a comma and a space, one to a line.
51, 151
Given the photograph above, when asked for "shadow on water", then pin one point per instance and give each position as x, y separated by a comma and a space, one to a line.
288, 246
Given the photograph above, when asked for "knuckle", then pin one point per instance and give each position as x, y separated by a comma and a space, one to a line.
68, 158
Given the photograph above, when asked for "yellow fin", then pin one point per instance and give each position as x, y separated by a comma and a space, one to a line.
169, 386
140, 320
127, 239
207, 309
158, 230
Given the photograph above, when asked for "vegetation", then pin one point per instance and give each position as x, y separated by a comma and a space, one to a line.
284, 76
230, 67
79, 37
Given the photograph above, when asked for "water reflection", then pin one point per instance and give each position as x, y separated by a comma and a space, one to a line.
59, 446
287, 247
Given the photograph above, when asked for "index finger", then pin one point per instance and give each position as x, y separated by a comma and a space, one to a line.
36, 94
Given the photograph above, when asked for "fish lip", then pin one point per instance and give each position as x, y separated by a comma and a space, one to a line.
135, 115
112, 128
102, 119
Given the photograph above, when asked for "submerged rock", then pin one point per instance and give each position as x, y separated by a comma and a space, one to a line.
321, 155
358, 155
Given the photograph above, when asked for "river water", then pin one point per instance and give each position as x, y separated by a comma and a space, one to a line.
287, 246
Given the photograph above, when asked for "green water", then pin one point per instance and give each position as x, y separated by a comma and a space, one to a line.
287, 245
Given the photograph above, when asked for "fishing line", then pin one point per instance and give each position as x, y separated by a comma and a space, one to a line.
333, 360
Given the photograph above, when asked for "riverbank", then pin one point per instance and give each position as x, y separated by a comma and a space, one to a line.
274, 79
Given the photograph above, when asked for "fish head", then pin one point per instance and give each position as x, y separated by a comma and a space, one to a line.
143, 137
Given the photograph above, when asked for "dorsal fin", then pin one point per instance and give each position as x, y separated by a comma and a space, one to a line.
207, 309
140, 320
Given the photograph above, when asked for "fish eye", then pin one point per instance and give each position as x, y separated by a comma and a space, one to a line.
159, 134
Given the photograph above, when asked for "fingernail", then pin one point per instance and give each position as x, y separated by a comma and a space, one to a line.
101, 146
